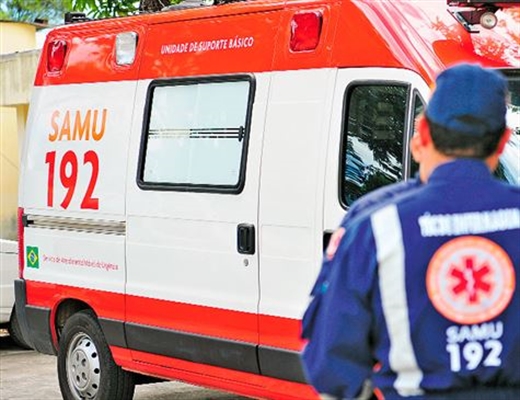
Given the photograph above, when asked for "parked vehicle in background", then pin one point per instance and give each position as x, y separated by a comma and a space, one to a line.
183, 171
8, 273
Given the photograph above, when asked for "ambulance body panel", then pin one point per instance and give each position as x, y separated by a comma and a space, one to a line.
186, 197
79, 129
290, 231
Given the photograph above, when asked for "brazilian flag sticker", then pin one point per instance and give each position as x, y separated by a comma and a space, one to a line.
33, 258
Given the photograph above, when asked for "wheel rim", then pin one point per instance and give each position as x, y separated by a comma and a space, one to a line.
83, 371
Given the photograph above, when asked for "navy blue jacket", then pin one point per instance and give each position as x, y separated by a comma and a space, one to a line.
362, 206
426, 286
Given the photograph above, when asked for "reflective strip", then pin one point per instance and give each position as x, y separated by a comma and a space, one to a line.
390, 256
99, 226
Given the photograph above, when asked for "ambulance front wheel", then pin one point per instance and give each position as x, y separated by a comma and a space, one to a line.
86, 369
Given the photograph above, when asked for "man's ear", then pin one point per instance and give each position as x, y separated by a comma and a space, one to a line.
416, 148
423, 130
503, 140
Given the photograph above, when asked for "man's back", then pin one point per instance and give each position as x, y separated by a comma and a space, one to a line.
456, 321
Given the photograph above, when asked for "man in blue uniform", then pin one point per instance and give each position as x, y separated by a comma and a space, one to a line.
423, 287
362, 206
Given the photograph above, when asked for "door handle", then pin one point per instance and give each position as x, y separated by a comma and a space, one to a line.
246, 239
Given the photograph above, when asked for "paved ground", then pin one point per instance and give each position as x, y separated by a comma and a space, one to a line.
28, 375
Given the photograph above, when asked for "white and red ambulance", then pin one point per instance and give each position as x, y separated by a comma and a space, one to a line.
183, 170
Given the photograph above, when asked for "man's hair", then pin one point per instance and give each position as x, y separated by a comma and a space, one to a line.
456, 144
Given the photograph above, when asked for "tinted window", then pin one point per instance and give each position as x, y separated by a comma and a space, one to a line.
509, 166
196, 135
373, 137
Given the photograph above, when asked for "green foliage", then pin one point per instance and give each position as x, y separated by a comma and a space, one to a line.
106, 8
117, 8
54, 10
30, 10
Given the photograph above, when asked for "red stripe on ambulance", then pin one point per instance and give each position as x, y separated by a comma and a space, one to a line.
191, 318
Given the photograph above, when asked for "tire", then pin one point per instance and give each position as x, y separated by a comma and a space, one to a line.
15, 332
86, 369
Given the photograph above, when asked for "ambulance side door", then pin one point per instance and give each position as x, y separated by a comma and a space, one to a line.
192, 283
372, 123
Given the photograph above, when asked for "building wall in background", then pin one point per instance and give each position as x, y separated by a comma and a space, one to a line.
9, 162
18, 62
16, 36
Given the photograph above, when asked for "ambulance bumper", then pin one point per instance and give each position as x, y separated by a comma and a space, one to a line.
34, 321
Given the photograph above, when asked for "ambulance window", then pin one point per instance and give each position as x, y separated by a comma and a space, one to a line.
373, 134
509, 166
197, 135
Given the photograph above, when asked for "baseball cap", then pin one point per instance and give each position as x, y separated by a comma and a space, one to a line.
469, 99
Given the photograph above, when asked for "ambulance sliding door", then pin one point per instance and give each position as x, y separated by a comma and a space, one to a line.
192, 283
372, 123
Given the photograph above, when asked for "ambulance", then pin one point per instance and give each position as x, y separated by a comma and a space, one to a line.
183, 171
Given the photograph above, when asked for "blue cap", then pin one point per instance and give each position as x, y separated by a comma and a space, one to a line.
469, 99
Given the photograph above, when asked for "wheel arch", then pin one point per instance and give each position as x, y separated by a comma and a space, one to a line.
63, 311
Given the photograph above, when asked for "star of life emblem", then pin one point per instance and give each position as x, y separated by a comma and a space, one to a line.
470, 280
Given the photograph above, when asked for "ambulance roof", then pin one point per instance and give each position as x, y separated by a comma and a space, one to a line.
417, 35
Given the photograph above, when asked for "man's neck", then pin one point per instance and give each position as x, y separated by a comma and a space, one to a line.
436, 159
